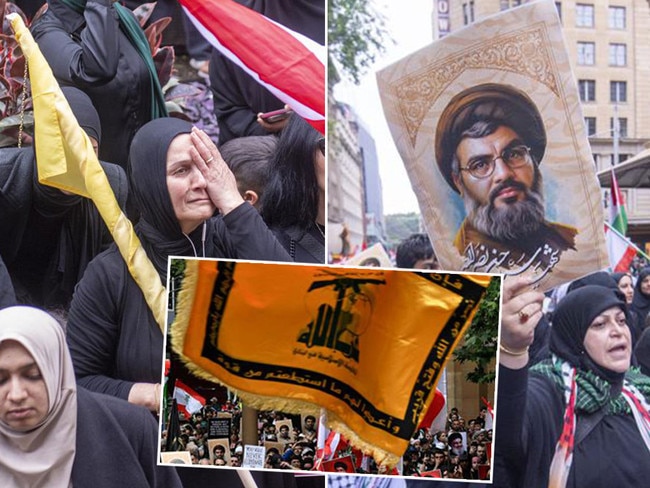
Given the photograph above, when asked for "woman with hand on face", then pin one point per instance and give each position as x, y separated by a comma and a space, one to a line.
179, 180
580, 418
53, 433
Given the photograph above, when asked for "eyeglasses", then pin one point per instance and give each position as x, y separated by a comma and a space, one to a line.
514, 157
321, 145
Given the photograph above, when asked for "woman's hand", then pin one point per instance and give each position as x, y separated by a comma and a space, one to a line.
221, 183
520, 313
146, 395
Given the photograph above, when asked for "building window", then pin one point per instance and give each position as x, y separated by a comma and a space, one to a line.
617, 17
468, 12
584, 15
621, 158
590, 125
558, 7
622, 126
506, 4
617, 54
587, 89
587, 53
618, 91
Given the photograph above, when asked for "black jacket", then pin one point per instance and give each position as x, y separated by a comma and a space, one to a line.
117, 445
91, 52
113, 337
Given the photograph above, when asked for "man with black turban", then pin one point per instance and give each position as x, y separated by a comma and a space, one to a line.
490, 141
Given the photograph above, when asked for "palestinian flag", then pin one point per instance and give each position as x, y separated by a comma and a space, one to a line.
617, 214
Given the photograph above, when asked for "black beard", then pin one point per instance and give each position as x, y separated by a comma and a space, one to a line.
518, 220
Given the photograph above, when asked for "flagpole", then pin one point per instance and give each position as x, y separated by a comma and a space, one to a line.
246, 478
639, 251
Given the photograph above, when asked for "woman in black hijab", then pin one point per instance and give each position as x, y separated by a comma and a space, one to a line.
589, 374
99, 47
50, 236
641, 301
625, 284
178, 179
642, 352
293, 204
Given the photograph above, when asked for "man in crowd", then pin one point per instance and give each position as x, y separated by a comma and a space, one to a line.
416, 252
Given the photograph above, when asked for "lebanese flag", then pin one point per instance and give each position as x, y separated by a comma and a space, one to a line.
489, 418
435, 418
189, 401
617, 214
621, 251
288, 64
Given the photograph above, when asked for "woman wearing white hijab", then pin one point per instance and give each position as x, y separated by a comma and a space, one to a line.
57, 435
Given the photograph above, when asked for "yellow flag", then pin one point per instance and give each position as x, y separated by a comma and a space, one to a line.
368, 345
66, 160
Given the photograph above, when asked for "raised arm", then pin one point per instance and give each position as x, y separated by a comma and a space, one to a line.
87, 55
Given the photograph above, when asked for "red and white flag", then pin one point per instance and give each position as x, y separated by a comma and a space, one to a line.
435, 419
288, 64
621, 251
189, 401
489, 416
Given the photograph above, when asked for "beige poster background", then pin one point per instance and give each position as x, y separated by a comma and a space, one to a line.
522, 49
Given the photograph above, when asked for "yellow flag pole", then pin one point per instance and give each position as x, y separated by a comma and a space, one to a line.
246, 478
66, 160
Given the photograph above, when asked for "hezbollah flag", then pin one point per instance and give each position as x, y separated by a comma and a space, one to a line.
66, 160
367, 345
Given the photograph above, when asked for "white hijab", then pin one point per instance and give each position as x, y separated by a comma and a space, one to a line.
44, 455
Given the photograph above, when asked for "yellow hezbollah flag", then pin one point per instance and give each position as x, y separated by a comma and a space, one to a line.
66, 160
367, 345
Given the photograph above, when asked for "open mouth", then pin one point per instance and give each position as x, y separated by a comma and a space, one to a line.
618, 349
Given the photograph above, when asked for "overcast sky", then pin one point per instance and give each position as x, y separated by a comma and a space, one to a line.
409, 23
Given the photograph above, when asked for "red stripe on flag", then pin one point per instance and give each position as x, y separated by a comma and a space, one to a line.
621, 252
278, 58
435, 408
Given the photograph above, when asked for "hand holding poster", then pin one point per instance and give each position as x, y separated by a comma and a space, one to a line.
489, 125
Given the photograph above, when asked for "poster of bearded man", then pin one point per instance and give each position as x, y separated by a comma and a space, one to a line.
488, 123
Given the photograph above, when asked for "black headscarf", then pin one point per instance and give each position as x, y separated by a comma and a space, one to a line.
571, 320
600, 278
641, 301
84, 111
642, 352
158, 228
619, 276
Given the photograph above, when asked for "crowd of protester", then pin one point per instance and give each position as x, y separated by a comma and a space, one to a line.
455, 453
265, 202
461, 451
171, 180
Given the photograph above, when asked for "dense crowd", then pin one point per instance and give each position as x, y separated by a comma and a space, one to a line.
80, 392
263, 199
